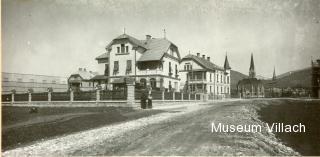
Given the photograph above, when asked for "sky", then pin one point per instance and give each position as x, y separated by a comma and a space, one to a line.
56, 37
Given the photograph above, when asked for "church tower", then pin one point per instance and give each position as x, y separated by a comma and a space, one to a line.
274, 74
252, 73
226, 64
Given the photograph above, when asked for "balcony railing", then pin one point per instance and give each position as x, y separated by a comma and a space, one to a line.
197, 80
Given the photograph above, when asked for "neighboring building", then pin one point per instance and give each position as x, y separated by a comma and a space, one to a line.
315, 78
153, 61
81, 80
251, 87
39, 83
200, 75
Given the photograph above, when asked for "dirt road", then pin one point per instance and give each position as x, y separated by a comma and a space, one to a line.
184, 130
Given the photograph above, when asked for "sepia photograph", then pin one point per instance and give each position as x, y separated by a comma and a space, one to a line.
160, 78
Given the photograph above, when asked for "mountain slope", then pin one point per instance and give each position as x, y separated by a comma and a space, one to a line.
295, 79
235, 78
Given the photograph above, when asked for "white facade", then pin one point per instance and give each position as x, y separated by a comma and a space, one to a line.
197, 78
153, 71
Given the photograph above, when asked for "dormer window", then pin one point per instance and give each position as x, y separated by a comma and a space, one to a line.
122, 48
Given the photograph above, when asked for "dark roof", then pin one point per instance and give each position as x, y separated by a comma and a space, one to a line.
105, 55
156, 48
250, 81
130, 38
203, 62
99, 77
226, 64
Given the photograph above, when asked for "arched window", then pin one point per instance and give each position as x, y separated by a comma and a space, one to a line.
153, 83
143, 82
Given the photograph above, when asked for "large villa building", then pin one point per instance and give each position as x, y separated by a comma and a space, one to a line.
156, 63
200, 75
152, 61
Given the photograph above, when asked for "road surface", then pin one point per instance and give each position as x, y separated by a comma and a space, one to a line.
182, 130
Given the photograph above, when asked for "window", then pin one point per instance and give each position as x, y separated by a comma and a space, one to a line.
44, 81
170, 87
228, 90
54, 82
31, 80
129, 67
5, 79
218, 78
89, 84
127, 49
228, 79
118, 49
210, 89
170, 69
153, 83
221, 78
115, 67
221, 89
106, 70
19, 80
217, 90
210, 79
176, 71
122, 48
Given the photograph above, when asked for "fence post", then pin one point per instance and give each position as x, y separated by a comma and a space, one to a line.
181, 95
97, 95
49, 96
30, 97
173, 95
71, 95
12, 98
130, 92
162, 95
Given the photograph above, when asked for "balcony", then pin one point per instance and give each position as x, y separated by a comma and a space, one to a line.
194, 81
150, 72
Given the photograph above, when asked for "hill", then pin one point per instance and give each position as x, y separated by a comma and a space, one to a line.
295, 79
236, 77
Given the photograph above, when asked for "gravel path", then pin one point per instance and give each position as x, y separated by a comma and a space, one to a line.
184, 130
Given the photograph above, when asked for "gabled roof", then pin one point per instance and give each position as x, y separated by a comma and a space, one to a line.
130, 38
156, 48
86, 75
103, 56
203, 62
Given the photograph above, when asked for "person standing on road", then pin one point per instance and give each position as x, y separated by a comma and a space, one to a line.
149, 99
143, 99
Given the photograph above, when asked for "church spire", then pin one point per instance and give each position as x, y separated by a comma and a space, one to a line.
226, 63
252, 73
274, 74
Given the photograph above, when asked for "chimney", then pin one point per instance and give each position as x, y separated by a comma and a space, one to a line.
204, 56
198, 54
148, 37
208, 58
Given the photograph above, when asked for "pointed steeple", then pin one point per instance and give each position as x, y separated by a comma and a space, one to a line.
226, 63
252, 73
274, 74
